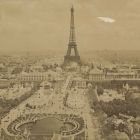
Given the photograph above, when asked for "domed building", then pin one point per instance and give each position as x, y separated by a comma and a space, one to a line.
96, 74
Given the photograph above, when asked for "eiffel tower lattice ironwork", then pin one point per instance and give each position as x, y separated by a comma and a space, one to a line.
72, 44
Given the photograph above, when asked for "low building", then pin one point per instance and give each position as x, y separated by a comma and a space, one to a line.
4, 83
100, 75
96, 75
38, 76
79, 82
120, 75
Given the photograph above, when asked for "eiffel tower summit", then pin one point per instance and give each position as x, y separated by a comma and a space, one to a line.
72, 46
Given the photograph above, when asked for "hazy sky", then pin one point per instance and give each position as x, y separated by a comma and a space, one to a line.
44, 24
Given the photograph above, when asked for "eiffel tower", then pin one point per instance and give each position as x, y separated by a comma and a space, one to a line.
69, 57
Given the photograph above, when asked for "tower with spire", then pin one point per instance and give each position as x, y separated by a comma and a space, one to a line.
69, 57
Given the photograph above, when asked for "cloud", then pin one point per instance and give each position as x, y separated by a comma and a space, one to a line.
107, 19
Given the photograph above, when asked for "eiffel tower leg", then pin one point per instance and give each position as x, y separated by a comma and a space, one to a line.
76, 52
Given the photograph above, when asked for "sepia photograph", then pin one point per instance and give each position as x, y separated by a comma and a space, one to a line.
69, 69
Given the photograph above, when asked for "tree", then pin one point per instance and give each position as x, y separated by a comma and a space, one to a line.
100, 90
116, 135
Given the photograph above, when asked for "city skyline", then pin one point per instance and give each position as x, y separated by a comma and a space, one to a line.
44, 25
69, 70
